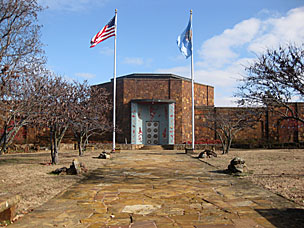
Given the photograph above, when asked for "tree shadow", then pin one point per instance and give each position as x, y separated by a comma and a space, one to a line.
220, 171
286, 217
14, 161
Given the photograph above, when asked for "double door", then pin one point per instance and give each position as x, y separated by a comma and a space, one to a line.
152, 132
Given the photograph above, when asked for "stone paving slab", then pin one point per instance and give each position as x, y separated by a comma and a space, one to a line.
159, 189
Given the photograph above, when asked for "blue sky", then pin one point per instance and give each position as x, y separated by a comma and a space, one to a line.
227, 34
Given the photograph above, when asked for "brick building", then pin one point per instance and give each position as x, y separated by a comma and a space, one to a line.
156, 109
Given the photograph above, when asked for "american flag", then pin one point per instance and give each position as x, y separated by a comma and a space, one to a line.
105, 33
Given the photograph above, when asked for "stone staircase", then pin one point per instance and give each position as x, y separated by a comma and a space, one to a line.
152, 147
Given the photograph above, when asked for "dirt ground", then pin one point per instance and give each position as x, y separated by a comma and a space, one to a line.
28, 175
279, 170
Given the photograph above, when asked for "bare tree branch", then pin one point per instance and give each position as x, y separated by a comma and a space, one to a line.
274, 80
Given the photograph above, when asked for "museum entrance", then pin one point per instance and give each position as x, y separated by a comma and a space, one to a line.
152, 122
152, 132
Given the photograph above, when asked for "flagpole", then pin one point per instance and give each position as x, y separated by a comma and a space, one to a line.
114, 86
192, 84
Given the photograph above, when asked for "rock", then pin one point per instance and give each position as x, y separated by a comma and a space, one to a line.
207, 153
104, 155
83, 167
140, 209
76, 165
75, 168
60, 170
202, 155
8, 206
237, 165
237, 160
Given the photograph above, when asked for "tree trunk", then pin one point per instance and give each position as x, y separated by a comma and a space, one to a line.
61, 135
8, 136
80, 149
13, 134
229, 141
86, 141
3, 141
223, 142
54, 149
55, 155
51, 143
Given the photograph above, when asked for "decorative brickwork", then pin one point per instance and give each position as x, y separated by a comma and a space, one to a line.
159, 87
270, 129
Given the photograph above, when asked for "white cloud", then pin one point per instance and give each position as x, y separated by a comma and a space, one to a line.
224, 57
224, 101
182, 71
107, 51
69, 79
71, 5
219, 50
177, 58
85, 75
218, 77
280, 31
133, 61
224, 81
266, 13
252, 36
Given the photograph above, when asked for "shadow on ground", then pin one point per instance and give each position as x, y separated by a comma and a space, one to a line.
278, 217
7, 161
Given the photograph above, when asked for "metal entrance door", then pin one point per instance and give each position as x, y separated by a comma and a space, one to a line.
152, 132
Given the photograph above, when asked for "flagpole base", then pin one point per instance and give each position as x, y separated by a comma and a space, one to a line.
189, 150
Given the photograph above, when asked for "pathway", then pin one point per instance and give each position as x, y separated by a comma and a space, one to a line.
152, 189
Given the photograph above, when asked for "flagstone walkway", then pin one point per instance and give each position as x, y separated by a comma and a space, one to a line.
152, 189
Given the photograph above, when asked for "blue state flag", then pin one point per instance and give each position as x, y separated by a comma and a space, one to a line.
184, 41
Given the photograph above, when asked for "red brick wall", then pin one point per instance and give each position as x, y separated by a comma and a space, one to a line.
270, 129
204, 95
176, 94
159, 88
252, 135
301, 125
287, 130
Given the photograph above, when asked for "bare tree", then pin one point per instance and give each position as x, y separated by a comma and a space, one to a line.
88, 114
20, 45
21, 62
229, 121
274, 80
57, 98
20, 103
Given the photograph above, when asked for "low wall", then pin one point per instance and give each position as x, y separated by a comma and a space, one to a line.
109, 146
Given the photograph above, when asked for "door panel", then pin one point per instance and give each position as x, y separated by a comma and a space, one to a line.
152, 132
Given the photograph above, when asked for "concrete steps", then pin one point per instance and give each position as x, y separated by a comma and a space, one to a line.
152, 147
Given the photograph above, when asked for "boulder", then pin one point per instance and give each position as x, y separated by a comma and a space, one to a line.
60, 170
207, 153
8, 206
237, 165
75, 168
104, 155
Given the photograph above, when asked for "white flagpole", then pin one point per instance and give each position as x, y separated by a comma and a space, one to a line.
192, 83
114, 84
